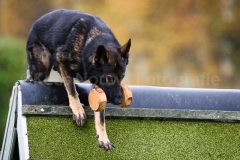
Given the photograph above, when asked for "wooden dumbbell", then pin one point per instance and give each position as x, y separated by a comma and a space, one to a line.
126, 96
97, 98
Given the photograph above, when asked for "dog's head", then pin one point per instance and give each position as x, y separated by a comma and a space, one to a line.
109, 66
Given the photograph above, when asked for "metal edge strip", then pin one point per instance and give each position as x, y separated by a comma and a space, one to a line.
22, 130
10, 132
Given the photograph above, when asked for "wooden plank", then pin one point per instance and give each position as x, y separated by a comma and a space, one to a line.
46, 110
136, 112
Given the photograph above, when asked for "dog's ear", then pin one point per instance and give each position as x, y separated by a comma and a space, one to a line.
124, 50
101, 55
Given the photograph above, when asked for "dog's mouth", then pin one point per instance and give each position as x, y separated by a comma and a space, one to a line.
116, 102
115, 99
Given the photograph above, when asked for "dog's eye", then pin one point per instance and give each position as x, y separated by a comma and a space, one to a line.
122, 76
110, 79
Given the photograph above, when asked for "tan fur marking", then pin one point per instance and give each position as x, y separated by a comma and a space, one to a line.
42, 56
78, 42
100, 129
74, 66
74, 101
45, 56
92, 34
111, 60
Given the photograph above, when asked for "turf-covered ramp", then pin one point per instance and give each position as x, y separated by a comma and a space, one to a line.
161, 123
58, 138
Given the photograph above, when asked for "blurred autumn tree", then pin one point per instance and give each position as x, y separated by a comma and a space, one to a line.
181, 43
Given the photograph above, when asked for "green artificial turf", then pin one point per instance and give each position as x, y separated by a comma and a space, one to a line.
59, 138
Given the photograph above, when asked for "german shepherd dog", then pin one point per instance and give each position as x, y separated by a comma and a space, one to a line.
78, 45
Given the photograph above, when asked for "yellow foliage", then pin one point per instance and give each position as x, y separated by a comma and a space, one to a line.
170, 38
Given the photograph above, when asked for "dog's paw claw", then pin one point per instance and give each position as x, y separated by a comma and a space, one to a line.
85, 117
79, 120
106, 146
73, 118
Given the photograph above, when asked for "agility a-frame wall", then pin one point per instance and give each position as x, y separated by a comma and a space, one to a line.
36, 108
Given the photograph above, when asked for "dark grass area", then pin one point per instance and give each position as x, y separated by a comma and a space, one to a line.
59, 138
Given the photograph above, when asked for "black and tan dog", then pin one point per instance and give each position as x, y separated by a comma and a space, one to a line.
81, 46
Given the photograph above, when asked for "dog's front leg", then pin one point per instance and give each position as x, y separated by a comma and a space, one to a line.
78, 112
100, 125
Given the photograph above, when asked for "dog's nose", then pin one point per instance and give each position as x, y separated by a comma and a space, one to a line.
118, 100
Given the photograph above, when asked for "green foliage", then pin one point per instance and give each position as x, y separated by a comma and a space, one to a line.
12, 68
59, 138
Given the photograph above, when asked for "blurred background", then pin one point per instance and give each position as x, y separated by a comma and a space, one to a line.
175, 43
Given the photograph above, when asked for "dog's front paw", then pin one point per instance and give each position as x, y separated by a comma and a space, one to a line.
103, 142
79, 116
79, 119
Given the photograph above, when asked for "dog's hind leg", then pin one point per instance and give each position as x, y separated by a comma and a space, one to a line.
100, 125
39, 62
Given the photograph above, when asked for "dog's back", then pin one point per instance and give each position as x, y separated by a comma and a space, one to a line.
54, 28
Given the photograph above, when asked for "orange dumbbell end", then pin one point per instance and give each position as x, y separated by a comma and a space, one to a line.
97, 99
126, 96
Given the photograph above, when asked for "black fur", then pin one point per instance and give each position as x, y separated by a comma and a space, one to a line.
102, 117
83, 44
